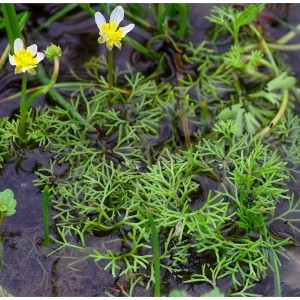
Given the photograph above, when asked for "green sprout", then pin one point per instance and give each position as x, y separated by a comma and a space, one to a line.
235, 59
7, 204
233, 20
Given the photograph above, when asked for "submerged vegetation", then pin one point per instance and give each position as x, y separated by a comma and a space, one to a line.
187, 176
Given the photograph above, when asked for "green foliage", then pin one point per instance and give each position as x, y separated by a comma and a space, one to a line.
234, 59
61, 13
207, 209
164, 13
46, 241
215, 292
287, 141
7, 207
7, 202
239, 83
232, 222
11, 22
283, 81
178, 293
4, 142
232, 19
156, 254
251, 188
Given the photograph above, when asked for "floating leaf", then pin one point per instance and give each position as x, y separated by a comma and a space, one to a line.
7, 202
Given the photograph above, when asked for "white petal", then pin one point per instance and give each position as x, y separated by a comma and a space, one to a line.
18, 45
11, 60
40, 56
109, 47
103, 36
30, 70
117, 15
18, 70
99, 19
27, 68
32, 49
102, 40
126, 29
118, 44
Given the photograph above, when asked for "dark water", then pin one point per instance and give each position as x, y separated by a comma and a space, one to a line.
26, 270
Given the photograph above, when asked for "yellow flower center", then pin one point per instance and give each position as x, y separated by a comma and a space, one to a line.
24, 59
113, 35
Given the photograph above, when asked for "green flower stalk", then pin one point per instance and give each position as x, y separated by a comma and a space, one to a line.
26, 60
7, 204
53, 54
111, 34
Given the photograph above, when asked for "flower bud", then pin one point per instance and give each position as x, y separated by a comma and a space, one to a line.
52, 51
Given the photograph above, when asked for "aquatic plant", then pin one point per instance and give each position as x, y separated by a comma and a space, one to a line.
7, 208
184, 177
46, 241
156, 255
113, 187
213, 293
111, 34
25, 60
7, 204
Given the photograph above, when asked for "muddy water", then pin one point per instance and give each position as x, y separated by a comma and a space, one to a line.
26, 270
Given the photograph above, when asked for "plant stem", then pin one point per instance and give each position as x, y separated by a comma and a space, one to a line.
140, 48
156, 255
182, 102
110, 65
276, 273
11, 23
277, 118
1, 251
2, 216
266, 50
4, 56
23, 112
184, 120
46, 241
62, 12
57, 97
294, 47
290, 35
46, 88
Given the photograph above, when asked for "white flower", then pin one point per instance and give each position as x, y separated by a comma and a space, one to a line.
25, 59
109, 32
